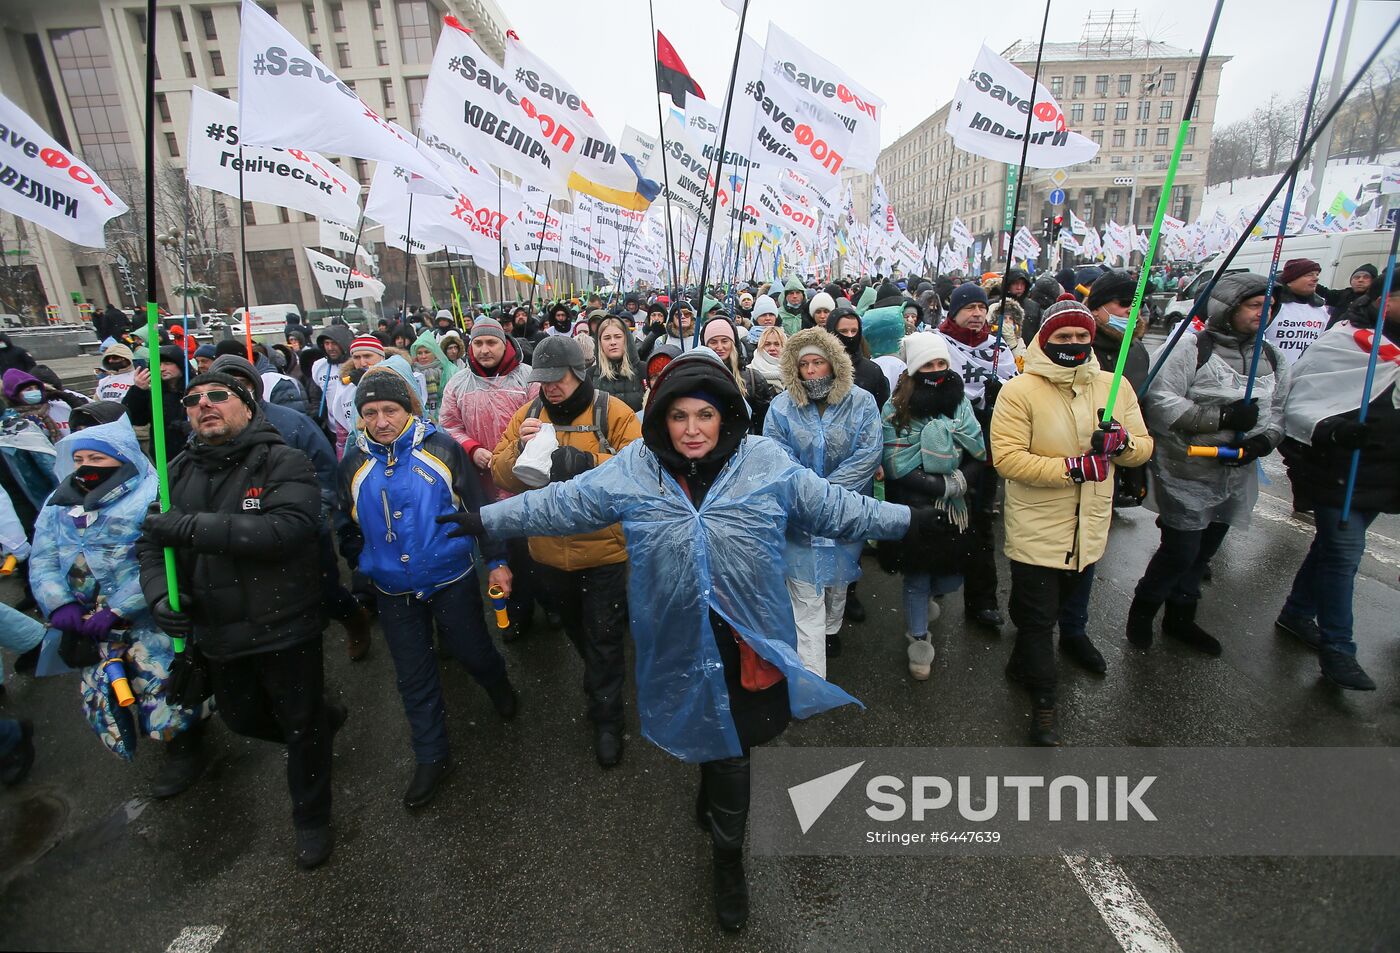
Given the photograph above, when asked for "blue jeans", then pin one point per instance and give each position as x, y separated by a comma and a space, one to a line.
408, 631
18, 632
918, 587
1322, 589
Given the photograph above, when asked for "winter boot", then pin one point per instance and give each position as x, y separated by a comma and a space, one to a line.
1304, 630
1082, 652
731, 890
504, 697
833, 645
1141, 615
1341, 668
14, 766
1180, 624
607, 745
855, 611
357, 634
726, 785
921, 654
1045, 732
184, 762
426, 778
314, 846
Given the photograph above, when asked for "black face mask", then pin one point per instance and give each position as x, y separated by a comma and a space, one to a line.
87, 478
936, 394
1068, 355
851, 344
934, 378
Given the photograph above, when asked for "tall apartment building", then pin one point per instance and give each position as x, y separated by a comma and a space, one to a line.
78, 67
1125, 93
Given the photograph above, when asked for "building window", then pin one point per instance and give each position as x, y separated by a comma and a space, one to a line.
415, 31
1120, 112
381, 52
1162, 137
248, 217
1196, 110
1076, 112
1168, 82
1125, 84
1159, 159
282, 215
1140, 137
1100, 85
386, 93
172, 147
1118, 136
206, 23
189, 66
362, 171
1165, 112
316, 51
138, 24
1098, 112
376, 14
216, 62
1144, 110
416, 88
270, 9
1191, 136
342, 55
163, 107
310, 12
1097, 136
1078, 87
180, 31
1057, 86
337, 18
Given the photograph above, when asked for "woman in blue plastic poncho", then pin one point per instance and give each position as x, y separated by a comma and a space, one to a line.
86, 579
705, 510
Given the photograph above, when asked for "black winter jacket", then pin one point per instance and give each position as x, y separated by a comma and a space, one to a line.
1319, 472
251, 570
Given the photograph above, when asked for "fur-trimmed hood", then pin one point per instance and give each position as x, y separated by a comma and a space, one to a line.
840, 364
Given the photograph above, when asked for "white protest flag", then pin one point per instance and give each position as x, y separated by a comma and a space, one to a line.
988, 118
482, 110
537, 233
289, 178
1067, 241
1025, 245
44, 183
336, 236
881, 212
467, 220
288, 98
602, 170
960, 234
332, 276
820, 82
1077, 224
690, 183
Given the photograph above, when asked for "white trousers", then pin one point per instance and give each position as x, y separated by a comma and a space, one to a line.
818, 612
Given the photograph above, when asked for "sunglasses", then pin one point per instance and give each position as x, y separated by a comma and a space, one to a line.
213, 396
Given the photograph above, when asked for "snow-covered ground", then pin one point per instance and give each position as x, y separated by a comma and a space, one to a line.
1249, 193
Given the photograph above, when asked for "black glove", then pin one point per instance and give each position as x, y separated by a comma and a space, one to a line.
172, 528
1240, 415
1351, 434
931, 485
187, 685
924, 522
466, 524
565, 463
178, 624
351, 545
1256, 447
77, 650
990, 390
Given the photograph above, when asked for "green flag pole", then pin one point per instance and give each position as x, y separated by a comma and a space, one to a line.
1162, 204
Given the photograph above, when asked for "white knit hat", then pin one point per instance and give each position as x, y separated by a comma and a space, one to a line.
764, 305
822, 300
923, 347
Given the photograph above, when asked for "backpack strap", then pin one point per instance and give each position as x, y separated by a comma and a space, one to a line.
599, 427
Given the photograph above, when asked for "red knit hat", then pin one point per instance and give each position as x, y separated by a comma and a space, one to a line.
1295, 268
1066, 312
366, 342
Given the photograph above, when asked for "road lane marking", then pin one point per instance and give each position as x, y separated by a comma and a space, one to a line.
1280, 511
1129, 917
195, 940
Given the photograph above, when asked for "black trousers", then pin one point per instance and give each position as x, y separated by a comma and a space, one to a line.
277, 697
980, 576
524, 586
1177, 567
725, 788
592, 603
336, 600
1038, 593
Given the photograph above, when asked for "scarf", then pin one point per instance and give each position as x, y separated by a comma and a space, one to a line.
957, 332
565, 412
936, 445
820, 388
769, 368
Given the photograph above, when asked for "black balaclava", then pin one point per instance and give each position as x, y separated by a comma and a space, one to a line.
936, 394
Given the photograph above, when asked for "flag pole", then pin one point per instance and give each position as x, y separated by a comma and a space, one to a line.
1376, 337
1264, 319
544, 229
1163, 202
1332, 110
407, 258
1020, 179
671, 264
243, 244
723, 140
172, 584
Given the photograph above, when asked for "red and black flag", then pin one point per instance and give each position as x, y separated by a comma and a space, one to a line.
672, 78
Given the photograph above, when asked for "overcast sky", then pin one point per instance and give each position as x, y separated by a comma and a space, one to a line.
911, 52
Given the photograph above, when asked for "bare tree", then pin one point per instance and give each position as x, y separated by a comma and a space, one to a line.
20, 290
200, 218
1378, 90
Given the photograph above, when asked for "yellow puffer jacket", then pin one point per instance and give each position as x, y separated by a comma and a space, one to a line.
1043, 416
586, 550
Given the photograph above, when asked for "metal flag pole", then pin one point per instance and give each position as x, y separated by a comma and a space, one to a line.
243, 246
1020, 178
671, 265
1376, 338
544, 229
1332, 110
723, 140
1163, 202
1264, 318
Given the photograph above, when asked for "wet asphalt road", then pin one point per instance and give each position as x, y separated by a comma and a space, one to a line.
532, 846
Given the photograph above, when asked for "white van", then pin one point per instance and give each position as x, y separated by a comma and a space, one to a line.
1339, 254
267, 319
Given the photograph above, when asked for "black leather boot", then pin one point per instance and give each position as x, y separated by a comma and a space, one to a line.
184, 762
426, 778
1141, 616
1180, 624
726, 786
1045, 733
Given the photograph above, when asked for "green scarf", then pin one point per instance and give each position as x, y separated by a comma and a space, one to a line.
936, 445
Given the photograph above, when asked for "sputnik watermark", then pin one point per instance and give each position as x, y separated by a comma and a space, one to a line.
1172, 801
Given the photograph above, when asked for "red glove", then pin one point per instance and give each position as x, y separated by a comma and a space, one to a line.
1090, 468
1110, 440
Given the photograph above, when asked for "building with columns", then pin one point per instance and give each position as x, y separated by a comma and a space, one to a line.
78, 68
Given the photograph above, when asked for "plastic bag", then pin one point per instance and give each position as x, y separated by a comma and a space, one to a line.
533, 465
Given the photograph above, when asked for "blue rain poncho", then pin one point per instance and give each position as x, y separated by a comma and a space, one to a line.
685, 562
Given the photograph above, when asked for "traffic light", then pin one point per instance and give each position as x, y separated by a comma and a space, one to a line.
1059, 223
1045, 227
